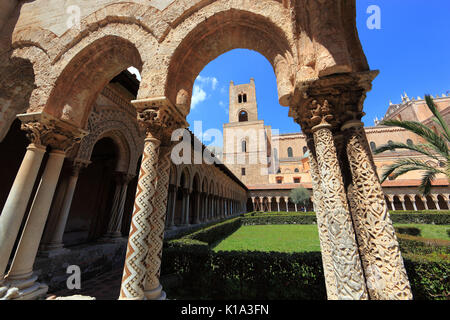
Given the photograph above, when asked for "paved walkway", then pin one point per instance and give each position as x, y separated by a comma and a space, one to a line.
103, 287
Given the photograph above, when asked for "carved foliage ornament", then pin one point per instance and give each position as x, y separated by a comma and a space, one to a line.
45, 130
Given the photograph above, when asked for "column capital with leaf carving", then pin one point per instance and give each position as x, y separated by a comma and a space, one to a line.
43, 129
158, 117
331, 101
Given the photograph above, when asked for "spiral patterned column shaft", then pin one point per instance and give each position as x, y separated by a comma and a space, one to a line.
380, 254
325, 246
349, 275
152, 287
138, 241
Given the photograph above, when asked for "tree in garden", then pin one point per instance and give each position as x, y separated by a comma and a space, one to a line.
300, 196
435, 148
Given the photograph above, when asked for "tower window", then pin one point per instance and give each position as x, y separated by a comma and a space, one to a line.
279, 180
373, 146
290, 152
305, 149
243, 116
243, 171
244, 146
240, 98
297, 180
296, 170
244, 98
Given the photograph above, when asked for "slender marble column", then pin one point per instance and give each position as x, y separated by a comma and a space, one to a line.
413, 200
16, 204
173, 206
56, 240
135, 268
346, 261
21, 273
425, 202
187, 207
152, 286
436, 202
384, 270
115, 224
286, 200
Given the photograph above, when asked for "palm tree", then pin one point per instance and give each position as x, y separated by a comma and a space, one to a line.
436, 147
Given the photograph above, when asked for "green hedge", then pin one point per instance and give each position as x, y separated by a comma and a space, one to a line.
244, 275
274, 275
217, 232
408, 230
259, 275
405, 217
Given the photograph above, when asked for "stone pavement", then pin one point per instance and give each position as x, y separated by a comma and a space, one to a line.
103, 287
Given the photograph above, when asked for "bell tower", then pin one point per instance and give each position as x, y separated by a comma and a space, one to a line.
245, 138
243, 106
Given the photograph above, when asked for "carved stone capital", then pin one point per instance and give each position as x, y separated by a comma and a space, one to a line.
158, 118
123, 178
45, 130
78, 165
331, 101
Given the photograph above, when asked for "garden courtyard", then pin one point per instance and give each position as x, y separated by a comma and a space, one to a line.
277, 256
301, 238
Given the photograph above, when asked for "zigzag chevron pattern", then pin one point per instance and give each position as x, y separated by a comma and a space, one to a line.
158, 222
138, 240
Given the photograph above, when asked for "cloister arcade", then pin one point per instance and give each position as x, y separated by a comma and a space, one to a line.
322, 76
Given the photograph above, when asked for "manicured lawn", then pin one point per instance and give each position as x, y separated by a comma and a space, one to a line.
298, 238
280, 238
429, 231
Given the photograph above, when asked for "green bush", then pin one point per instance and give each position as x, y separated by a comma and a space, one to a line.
217, 232
429, 280
420, 217
405, 217
259, 275
410, 231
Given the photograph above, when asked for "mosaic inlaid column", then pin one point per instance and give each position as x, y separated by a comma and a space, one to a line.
325, 244
152, 286
120, 196
380, 254
135, 267
348, 271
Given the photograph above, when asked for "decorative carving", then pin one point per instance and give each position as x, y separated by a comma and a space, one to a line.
112, 122
138, 241
157, 224
325, 245
45, 130
380, 254
332, 100
345, 258
158, 118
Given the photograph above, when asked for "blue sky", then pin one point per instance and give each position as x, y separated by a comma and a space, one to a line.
411, 50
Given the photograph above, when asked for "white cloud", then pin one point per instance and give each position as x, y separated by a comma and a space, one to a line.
198, 95
212, 81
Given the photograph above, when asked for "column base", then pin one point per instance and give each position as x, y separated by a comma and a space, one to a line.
155, 294
111, 238
23, 289
52, 251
